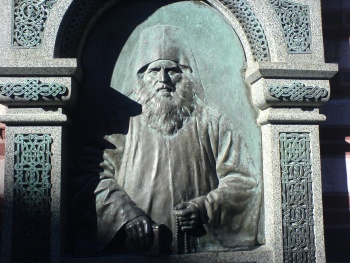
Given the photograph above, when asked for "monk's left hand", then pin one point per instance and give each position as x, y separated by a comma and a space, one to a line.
188, 215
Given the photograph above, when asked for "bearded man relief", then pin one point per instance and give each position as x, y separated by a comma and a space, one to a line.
181, 163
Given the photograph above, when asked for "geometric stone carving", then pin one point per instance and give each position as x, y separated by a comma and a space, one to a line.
251, 26
29, 18
297, 200
298, 92
33, 89
295, 21
31, 198
83, 12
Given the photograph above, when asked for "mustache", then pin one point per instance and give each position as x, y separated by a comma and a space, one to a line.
177, 95
165, 114
165, 87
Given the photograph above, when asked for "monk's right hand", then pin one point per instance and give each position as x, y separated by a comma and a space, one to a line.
140, 231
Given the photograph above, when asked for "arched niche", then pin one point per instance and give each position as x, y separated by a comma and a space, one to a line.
108, 44
81, 15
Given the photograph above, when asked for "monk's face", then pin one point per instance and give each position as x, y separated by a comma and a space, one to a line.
164, 77
166, 95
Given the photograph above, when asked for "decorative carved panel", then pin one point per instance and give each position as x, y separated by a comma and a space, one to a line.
29, 19
32, 89
82, 13
298, 92
84, 10
297, 200
251, 26
31, 197
295, 21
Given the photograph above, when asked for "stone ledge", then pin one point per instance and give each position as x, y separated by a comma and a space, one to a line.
262, 254
290, 71
34, 119
38, 67
290, 116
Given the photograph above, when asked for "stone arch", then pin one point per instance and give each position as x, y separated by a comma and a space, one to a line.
104, 87
82, 13
283, 113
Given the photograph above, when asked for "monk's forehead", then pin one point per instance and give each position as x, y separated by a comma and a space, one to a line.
163, 63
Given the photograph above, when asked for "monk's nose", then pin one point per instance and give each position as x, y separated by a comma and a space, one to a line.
163, 76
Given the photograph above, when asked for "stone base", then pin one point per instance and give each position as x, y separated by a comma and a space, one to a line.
262, 254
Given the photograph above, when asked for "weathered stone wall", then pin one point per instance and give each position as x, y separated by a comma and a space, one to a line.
278, 59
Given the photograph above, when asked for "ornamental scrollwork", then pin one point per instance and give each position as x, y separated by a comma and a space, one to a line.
32, 197
82, 13
32, 90
84, 10
29, 20
295, 21
251, 26
297, 200
298, 92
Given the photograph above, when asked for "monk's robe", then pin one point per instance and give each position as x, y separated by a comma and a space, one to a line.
205, 162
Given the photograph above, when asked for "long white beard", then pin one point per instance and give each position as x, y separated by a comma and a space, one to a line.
165, 115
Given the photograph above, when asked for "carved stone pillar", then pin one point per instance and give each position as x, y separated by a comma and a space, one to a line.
35, 122
291, 159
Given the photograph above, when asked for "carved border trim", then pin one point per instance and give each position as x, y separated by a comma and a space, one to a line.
32, 197
33, 90
251, 26
297, 198
295, 21
29, 20
298, 92
82, 12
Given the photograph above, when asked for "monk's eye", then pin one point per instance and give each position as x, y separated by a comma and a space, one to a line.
174, 72
153, 71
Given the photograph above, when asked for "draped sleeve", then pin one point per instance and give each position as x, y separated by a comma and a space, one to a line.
230, 212
114, 208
